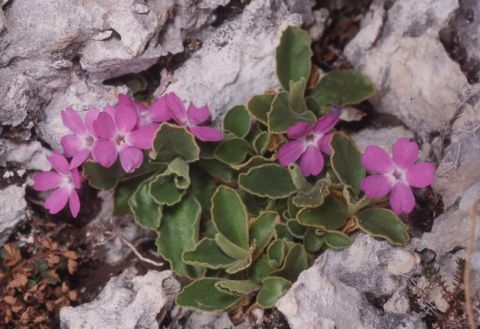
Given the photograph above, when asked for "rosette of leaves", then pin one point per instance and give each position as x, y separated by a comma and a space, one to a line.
233, 220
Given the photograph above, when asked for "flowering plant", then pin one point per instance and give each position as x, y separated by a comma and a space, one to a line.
241, 211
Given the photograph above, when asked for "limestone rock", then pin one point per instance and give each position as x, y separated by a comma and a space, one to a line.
341, 287
12, 209
126, 302
237, 60
400, 50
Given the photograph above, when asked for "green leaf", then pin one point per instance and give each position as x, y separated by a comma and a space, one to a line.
331, 215
202, 187
346, 162
239, 265
237, 121
255, 205
146, 212
295, 262
259, 106
337, 240
299, 180
342, 88
230, 216
296, 95
233, 151
217, 169
281, 117
260, 143
277, 251
293, 56
262, 268
230, 248
179, 232
122, 194
237, 287
385, 224
169, 187
272, 289
203, 295
171, 142
268, 180
262, 230
100, 177
312, 241
283, 232
207, 254
296, 229
313, 197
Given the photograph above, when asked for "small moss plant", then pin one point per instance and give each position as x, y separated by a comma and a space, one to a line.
241, 212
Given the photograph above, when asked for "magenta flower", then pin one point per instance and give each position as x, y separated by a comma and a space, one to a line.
156, 113
396, 174
65, 180
78, 145
192, 119
118, 136
308, 143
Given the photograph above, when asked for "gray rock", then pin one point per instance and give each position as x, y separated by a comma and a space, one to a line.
12, 209
384, 137
400, 50
316, 30
126, 302
188, 319
29, 156
236, 60
340, 289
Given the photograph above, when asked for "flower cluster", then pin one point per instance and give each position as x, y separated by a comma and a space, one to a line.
123, 132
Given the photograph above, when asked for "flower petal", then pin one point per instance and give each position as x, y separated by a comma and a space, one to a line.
74, 203
130, 158
104, 152
311, 162
299, 130
197, 115
405, 152
159, 111
45, 181
376, 186
376, 160
79, 158
73, 121
91, 116
125, 118
104, 126
402, 199
110, 110
76, 178
57, 200
327, 122
141, 138
71, 144
176, 108
421, 174
59, 163
125, 101
290, 152
206, 134
324, 144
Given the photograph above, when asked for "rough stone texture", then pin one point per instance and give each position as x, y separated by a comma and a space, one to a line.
400, 50
188, 319
384, 137
12, 209
339, 290
236, 60
461, 158
127, 302
28, 156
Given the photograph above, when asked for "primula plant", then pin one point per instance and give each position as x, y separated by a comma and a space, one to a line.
243, 210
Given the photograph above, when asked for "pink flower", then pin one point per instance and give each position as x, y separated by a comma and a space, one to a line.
192, 119
156, 113
118, 136
65, 180
78, 145
396, 174
308, 143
